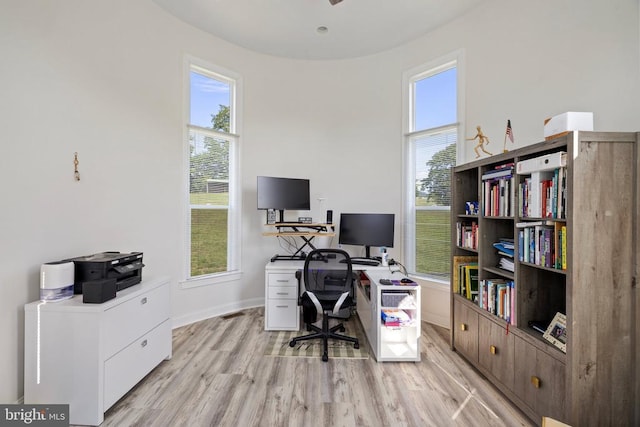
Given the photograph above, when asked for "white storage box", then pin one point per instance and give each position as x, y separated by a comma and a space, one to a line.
542, 163
566, 122
393, 299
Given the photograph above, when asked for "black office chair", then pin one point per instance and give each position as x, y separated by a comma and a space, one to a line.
328, 289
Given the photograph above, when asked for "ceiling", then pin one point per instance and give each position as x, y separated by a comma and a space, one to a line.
290, 28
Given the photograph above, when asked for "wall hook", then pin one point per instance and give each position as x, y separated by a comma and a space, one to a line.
76, 174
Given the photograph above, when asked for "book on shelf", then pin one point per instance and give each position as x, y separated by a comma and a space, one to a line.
505, 246
505, 170
506, 250
467, 234
497, 296
542, 243
506, 264
465, 276
471, 282
563, 247
498, 196
543, 194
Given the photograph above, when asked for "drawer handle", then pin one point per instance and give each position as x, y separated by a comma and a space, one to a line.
535, 381
463, 327
143, 300
282, 306
493, 349
282, 293
143, 343
282, 281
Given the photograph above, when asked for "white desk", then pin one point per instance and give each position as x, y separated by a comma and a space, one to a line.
388, 343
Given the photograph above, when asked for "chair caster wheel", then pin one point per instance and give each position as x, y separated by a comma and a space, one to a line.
356, 346
325, 357
292, 343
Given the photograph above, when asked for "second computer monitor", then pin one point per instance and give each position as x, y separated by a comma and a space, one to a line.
367, 229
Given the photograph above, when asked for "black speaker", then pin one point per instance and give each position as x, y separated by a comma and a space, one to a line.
329, 216
98, 291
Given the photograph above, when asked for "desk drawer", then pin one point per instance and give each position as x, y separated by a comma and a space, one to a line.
283, 279
130, 320
282, 292
125, 369
282, 315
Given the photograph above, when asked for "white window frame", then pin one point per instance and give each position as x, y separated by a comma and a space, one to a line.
408, 79
234, 231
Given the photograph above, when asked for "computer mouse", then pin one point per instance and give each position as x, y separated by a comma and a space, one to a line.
406, 280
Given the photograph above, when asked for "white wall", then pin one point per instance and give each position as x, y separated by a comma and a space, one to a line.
105, 79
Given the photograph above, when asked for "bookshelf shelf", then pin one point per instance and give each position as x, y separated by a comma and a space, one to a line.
499, 271
542, 267
574, 233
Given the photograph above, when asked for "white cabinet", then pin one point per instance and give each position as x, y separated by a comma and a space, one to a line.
281, 311
90, 355
389, 343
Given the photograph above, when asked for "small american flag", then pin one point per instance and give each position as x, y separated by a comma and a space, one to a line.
509, 131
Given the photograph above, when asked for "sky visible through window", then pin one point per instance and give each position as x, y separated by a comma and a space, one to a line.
435, 98
435, 105
207, 94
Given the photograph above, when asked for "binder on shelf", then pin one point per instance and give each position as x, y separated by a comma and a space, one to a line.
505, 171
543, 163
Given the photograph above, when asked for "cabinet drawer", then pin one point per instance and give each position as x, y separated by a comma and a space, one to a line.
465, 331
125, 369
133, 318
540, 380
495, 351
282, 292
282, 314
283, 279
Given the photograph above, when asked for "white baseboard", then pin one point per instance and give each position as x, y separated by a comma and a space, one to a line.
210, 312
436, 303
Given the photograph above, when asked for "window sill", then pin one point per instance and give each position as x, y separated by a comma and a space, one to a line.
211, 280
432, 280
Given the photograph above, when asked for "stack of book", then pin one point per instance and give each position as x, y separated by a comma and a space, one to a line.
506, 250
498, 191
497, 296
543, 193
467, 234
543, 243
467, 280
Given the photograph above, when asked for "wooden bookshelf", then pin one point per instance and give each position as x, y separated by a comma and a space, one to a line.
595, 382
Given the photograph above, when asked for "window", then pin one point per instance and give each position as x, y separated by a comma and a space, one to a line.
432, 128
213, 202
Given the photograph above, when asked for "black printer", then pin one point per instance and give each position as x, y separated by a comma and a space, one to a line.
125, 268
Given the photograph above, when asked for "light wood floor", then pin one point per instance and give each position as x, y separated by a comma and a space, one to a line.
218, 376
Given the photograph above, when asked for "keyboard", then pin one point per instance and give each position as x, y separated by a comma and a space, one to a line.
369, 262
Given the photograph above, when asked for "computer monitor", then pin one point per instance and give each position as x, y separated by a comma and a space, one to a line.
283, 194
367, 229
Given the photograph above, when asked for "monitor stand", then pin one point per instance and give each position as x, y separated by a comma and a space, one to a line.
367, 259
